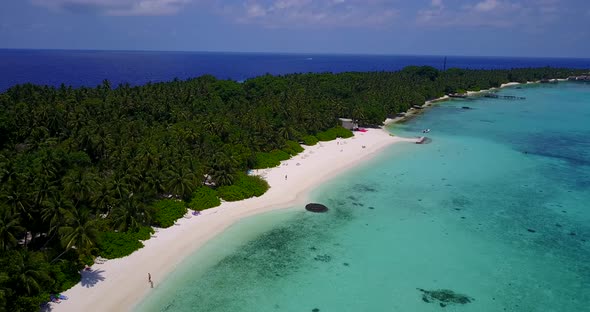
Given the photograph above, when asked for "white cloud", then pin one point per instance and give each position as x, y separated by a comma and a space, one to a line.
531, 14
117, 7
432, 13
486, 5
255, 10
310, 13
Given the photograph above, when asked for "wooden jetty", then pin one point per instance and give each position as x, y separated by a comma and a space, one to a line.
457, 95
504, 97
486, 94
579, 78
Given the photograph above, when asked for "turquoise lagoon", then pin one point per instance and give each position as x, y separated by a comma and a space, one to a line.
496, 207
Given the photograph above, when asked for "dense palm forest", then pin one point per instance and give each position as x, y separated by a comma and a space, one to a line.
86, 172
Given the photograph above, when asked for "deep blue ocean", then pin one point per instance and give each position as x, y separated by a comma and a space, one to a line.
89, 68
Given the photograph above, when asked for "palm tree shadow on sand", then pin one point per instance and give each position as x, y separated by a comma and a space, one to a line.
88, 279
91, 278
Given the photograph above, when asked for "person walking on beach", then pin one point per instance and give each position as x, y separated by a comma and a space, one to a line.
285, 177
150, 280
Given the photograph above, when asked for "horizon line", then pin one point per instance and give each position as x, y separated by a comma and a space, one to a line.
296, 53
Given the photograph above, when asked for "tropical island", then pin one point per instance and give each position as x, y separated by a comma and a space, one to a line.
89, 172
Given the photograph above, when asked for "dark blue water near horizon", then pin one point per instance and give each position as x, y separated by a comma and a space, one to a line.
89, 68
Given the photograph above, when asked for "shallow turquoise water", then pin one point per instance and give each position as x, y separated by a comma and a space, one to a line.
495, 207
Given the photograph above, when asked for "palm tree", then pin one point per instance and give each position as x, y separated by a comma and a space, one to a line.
102, 198
42, 190
80, 184
29, 272
9, 227
154, 182
222, 170
119, 189
357, 113
147, 157
80, 231
130, 214
102, 142
54, 209
287, 131
3, 291
181, 181
134, 178
18, 200
55, 120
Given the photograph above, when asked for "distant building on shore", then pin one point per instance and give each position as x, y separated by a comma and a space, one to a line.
348, 123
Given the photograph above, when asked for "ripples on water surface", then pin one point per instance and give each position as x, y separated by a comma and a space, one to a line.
495, 208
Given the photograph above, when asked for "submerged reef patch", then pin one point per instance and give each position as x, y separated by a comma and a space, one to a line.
365, 188
444, 297
323, 258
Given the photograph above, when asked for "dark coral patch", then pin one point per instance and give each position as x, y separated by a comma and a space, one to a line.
323, 258
313, 207
444, 297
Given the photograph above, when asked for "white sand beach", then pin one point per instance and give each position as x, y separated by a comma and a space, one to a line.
117, 285
504, 85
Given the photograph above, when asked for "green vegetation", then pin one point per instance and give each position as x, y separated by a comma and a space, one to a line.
292, 148
77, 165
266, 160
167, 211
113, 245
245, 187
204, 198
333, 133
309, 140
274, 157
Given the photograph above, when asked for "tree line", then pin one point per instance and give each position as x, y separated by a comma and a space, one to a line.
83, 171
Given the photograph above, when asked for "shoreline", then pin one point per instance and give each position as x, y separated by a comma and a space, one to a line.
411, 112
167, 248
124, 280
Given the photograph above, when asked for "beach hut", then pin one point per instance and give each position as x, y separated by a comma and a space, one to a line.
348, 123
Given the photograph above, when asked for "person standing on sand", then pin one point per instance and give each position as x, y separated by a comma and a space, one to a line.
285, 177
149, 278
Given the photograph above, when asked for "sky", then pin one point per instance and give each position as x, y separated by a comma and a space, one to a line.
537, 28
